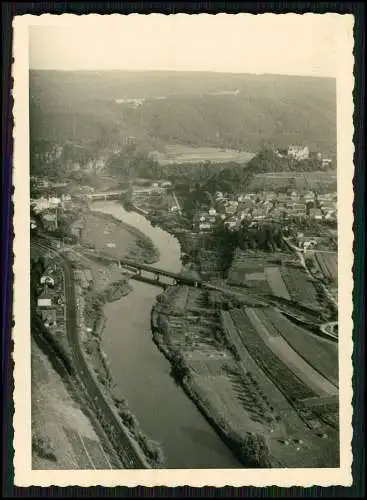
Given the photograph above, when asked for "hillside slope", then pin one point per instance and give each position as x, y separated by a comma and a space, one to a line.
185, 108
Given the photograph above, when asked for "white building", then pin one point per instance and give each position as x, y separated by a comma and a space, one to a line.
44, 302
326, 162
298, 152
40, 204
54, 201
47, 280
309, 244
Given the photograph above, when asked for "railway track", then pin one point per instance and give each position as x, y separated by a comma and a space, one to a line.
117, 434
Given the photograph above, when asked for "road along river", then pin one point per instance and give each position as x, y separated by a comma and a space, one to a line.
142, 373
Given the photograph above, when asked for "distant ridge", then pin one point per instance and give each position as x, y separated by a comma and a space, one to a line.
279, 109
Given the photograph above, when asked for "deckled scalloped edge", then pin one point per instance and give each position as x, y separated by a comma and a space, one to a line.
112, 484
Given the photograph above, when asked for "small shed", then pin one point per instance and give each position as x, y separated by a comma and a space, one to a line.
44, 302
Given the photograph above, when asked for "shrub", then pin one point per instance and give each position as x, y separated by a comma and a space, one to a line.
257, 451
43, 448
128, 419
151, 449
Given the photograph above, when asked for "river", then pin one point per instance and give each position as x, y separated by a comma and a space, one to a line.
142, 373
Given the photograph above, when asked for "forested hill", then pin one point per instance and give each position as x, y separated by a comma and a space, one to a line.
197, 109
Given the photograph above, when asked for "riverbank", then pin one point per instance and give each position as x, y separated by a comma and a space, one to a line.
249, 448
110, 284
241, 402
253, 418
145, 379
92, 344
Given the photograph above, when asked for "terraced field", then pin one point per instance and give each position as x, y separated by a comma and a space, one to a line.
281, 375
303, 370
320, 353
299, 286
255, 277
178, 297
274, 401
276, 283
328, 264
248, 365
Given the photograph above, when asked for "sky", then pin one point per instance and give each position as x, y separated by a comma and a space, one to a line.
280, 44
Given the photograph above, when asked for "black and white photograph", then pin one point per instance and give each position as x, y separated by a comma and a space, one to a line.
183, 195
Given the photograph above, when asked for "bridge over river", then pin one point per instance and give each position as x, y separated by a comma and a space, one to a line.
162, 278
107, 195
159, 277
156, 275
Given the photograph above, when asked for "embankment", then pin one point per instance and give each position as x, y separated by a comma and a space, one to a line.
153, 455
58, 355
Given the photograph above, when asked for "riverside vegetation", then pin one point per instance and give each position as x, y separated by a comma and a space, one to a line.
95, 301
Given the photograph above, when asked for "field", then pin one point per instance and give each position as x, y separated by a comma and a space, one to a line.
247, 378
320, 353
318, 180
185, 154
240, 408
279, 372
303, 370
266, 275
276, 283
290, 422
299, 286
328, 264
177, 297
247, 268
101, 234
116, 239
